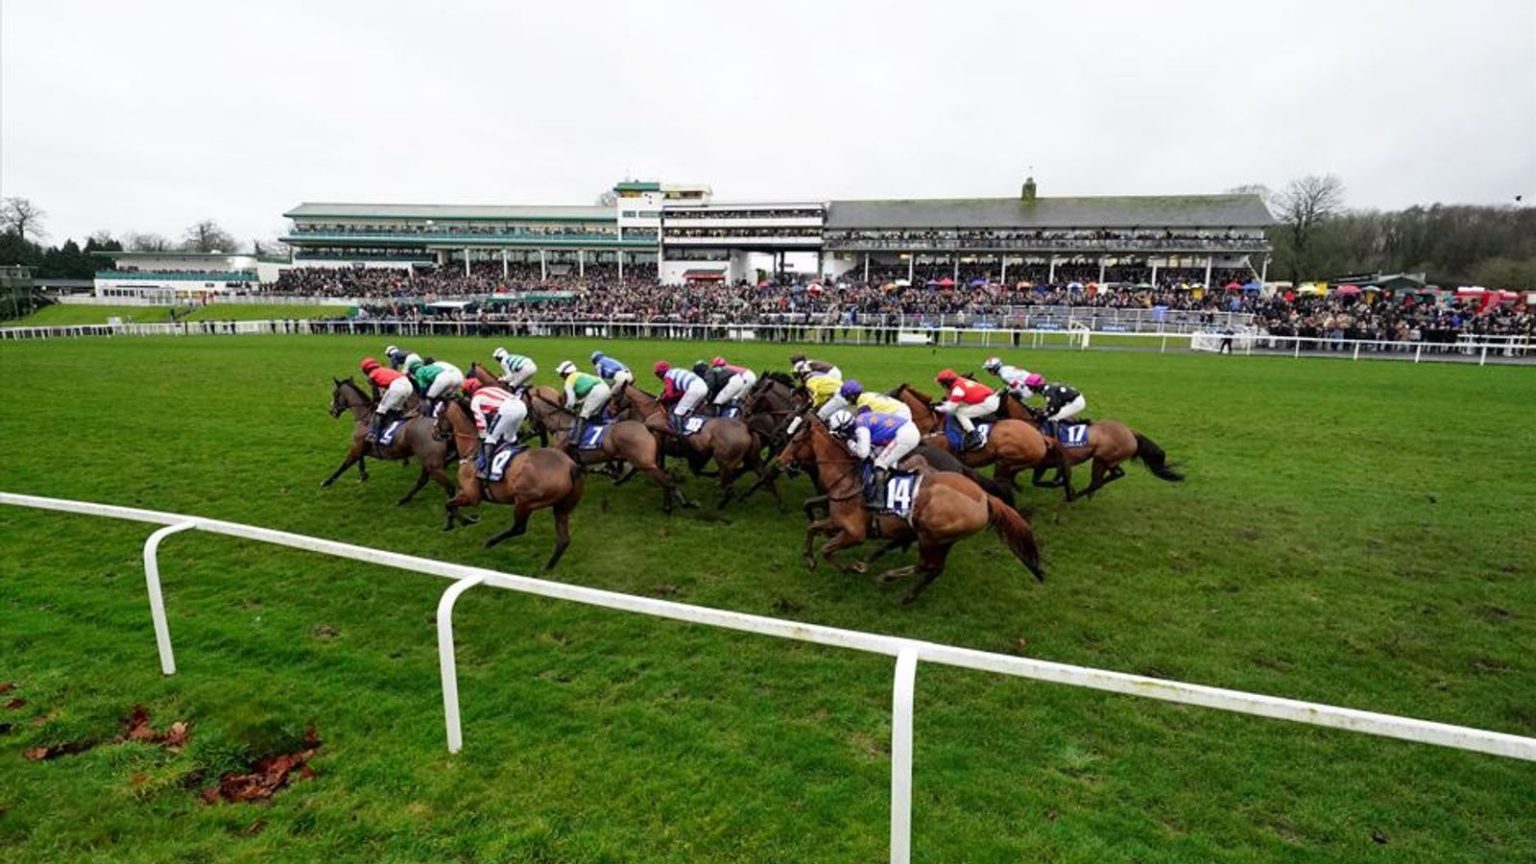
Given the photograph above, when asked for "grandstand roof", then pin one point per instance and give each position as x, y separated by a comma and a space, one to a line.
1145, 211
518, 213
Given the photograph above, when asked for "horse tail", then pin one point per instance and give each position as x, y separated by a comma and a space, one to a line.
1015, 532
1155, 459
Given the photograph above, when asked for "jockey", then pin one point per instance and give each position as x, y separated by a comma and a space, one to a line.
1013, 376
804, 367
436, 380
394, 389
967, 400
587, 389
713, 378
399, 359
880, 403
826, 398
498, 415
1061, 402
611, 370
683, 388
740, 380
896, 436
515, 368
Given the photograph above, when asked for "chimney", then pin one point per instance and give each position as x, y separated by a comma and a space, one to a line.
1029, 189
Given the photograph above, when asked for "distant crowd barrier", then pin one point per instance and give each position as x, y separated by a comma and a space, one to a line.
907, 652
1073, 334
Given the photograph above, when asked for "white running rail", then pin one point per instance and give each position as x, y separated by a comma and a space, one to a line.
908, 652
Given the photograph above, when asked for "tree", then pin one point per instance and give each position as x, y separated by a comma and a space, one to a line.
207, 236
608, 198
1265, 193
148, 242
1302, 207
23, 217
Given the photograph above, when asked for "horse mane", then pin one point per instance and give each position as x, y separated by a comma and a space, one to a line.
348, 382
782, 377
896, 393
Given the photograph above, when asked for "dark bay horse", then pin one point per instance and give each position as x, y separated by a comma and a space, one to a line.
415, 439
948, 508
1107, 443
626, 441
535, 479
1012, 446
726, 440
535, 419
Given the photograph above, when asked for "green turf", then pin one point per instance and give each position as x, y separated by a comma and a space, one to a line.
1353, 533
62, 314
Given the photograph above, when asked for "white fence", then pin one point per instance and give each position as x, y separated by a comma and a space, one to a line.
166, 298
908, 652
1076, 334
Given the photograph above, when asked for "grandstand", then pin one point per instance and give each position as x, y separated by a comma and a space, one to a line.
678, 234
179, 276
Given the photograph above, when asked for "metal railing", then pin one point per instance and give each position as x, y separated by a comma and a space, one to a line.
908, 652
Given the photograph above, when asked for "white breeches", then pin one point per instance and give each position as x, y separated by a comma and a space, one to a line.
509, 418
621, 378
966, 413
395, 396
1071, 409
447, 381
595, 399
835, 404
906, 439
514, 380
691, 398
735, 387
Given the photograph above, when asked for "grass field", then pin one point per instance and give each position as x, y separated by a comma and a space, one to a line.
62, 314
1351, 533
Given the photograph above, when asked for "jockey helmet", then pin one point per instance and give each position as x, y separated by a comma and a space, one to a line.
993, 364
850, 389
718, 361
413, 364
661, 368
566, 367
369, 364
796, 359
840, 421
1035, 381
596, 356
392, 350
802, 367
946, 377
500, 353
700, 367
471, 385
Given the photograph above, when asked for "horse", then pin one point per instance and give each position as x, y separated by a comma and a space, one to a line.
625, 441
1012, 446
725, 439
770, 404
534, 479
415, 438
535, 419
1107, 443
947, 509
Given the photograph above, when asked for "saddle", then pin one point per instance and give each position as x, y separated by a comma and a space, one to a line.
496, 467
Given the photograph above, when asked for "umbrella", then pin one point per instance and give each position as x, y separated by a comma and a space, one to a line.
1253, 286
1349, 289
932, 283
977, 282
946, 282
1371, 288
1143, 286
1074, 286
1233, 286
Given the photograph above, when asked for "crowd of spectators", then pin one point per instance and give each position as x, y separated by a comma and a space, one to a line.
600, 295
959, 238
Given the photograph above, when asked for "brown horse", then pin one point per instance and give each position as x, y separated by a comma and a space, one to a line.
415, 438
626, 441
728, 441
948, 508
535, 479
1107, 443
1012, 446
535, 419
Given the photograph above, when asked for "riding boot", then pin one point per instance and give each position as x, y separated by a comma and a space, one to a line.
375, 429
483, 463
972, 440
874, 492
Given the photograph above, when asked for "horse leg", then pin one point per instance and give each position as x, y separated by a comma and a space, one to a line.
931, 566
362, 468
840, 541
519, 526
625, 476
421, 480
353, 455
811, 530
880, 551
727, 477
562, 536
812, 504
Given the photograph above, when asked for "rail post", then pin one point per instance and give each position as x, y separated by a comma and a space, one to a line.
157, 597
901, 755
448, 663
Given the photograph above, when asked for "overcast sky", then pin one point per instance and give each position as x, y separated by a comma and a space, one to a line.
149, 116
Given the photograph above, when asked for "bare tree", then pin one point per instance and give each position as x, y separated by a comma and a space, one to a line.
608, 198
147, 243
23, 217
1266, 194
1302, 206
207, 236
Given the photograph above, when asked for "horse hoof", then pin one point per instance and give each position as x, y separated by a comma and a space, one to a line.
470, 520
810, 563
858, 567
907, 600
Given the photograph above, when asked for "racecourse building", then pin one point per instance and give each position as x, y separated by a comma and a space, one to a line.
679, 234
